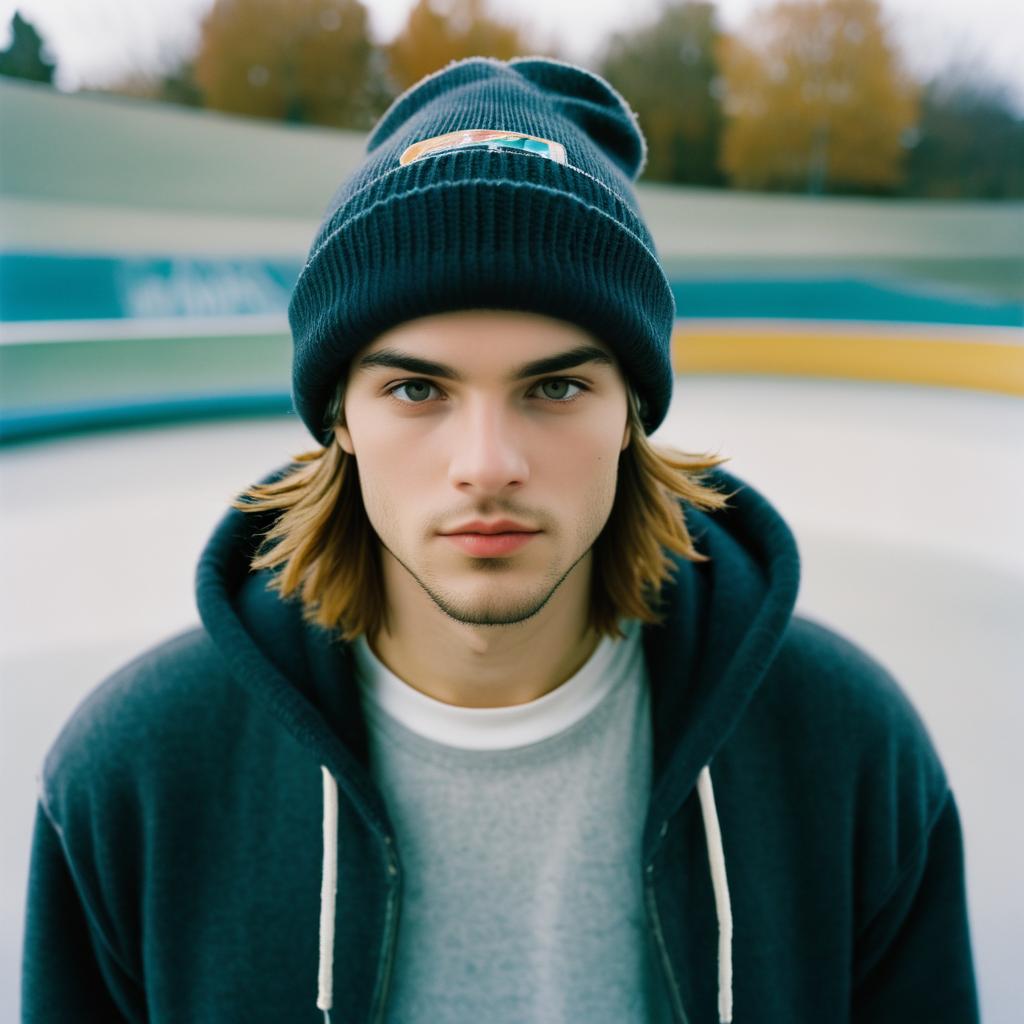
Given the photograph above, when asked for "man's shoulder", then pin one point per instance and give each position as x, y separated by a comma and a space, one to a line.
839, 703
829, 673
168, 687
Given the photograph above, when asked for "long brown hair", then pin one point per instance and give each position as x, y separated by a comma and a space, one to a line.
328, 554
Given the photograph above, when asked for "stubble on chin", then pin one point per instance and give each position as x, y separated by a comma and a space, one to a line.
490, 611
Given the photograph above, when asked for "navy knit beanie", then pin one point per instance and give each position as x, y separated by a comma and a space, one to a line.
489, 185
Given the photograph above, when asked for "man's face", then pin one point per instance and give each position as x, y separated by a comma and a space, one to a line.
469, 421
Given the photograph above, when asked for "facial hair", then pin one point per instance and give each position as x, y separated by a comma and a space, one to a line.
487, 617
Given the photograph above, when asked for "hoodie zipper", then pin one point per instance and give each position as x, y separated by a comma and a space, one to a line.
390, 931
659, 938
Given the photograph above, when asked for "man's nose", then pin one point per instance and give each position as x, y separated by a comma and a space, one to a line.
487, 453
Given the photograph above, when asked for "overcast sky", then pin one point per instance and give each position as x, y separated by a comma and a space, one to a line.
96, 40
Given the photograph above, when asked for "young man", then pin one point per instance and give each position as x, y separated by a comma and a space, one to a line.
497, 713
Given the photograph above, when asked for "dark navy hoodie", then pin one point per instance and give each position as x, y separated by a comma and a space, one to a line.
177, 854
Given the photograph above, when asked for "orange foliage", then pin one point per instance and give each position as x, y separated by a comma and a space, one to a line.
293, 60
440, 31
815, 96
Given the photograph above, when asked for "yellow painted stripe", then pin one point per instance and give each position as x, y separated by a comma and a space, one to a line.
916, 359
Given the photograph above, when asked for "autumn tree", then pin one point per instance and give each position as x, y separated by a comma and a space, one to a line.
309, 61
668, 71
816, 99
440, 31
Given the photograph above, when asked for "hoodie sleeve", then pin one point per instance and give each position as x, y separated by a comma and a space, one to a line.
913, 956
68, 971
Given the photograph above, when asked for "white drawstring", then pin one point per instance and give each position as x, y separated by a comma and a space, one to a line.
716, 858
328, 893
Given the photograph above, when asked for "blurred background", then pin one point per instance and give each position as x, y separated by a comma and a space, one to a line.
836, 190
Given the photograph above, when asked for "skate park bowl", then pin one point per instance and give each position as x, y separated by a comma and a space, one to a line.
860, 362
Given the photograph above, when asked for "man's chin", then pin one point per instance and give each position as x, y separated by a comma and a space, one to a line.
507, 592
489, 612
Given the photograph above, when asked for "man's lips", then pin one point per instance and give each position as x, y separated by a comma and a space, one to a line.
498, 526
491, 544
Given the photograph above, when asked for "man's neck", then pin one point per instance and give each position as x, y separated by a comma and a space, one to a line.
488, 666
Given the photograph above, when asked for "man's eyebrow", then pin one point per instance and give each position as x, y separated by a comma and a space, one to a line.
397, 360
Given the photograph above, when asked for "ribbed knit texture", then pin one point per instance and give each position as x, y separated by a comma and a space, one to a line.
484, 228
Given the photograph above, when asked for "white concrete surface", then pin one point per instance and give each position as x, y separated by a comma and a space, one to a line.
907, 504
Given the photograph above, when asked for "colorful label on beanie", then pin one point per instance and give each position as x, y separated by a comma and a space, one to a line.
485, 138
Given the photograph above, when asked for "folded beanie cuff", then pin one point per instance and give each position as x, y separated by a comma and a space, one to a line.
440, 247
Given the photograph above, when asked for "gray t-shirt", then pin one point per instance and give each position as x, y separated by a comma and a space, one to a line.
519, 831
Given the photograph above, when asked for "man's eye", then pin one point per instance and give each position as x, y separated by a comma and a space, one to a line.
416, 391
558, 390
